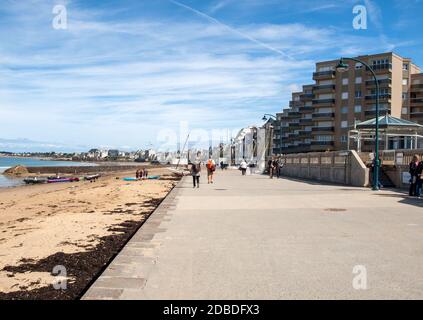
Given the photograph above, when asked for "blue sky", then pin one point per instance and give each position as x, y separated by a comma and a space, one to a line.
124, 71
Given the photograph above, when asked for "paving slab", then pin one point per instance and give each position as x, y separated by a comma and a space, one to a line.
251, 237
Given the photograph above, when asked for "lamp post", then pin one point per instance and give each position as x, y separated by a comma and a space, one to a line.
341, 67
280, 129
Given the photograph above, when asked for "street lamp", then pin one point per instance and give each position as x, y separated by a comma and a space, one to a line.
268, 115
342, 67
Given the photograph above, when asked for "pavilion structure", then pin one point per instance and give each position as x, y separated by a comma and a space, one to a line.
394, 133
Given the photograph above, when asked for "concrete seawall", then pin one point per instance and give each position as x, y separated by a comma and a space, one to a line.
344, 167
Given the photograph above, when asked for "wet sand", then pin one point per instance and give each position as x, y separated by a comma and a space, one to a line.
80, 226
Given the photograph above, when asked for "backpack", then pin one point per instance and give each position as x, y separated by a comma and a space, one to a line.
210, 165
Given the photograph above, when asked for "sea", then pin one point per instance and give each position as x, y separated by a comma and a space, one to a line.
8, 162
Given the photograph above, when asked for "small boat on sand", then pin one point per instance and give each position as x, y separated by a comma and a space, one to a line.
130, 179
93, 177
58, 180
153, 177
35, 180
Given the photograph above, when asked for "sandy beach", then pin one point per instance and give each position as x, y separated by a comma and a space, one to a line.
80, 226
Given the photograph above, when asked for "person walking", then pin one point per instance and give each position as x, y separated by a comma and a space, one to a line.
243, 166
276, 167
413, 170
196, 171
419, 182
270, 164
211, 168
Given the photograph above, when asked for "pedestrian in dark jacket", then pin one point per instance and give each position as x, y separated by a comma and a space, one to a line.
276, 167
415, 167
419, 182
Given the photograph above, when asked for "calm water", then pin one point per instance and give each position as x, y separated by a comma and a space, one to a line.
6, 163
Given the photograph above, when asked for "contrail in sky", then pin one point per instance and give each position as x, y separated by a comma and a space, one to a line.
241, 34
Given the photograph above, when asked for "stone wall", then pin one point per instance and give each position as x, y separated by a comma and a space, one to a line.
343, 167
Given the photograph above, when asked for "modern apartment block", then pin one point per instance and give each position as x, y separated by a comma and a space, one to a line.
416, 98
320, 116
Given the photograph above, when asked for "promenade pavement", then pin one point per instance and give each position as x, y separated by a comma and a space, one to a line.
253, 237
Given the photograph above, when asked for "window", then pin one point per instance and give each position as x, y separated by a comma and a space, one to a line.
344, 139
345, 81
404, 82
358, 66
404, 95
358, 80
358, 94
405, 66
357, 109
404, 111
344, 95
344, 110
344, 124
326, 68
324, 138
380, 61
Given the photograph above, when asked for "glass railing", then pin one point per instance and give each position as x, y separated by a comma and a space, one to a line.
318, 101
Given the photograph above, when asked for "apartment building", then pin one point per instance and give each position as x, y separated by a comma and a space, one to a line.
416, 98
320, 116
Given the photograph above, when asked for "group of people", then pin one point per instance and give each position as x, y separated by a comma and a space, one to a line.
196, 171
274, 167
416, 181
141, 174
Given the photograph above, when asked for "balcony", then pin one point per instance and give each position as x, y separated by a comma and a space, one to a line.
324, 75
380, 67
305, 122
324, 115
382, 83
373, 112
417, 87
323, 102
294, 114
323, 129
305, 109
325, 88
306, 96
416, 101
304, 134
372, 97
294, 125
322, 143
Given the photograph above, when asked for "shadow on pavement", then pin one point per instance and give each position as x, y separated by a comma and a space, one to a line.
405, 198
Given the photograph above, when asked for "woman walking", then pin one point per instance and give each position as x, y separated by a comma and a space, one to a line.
211, 168
243, 166
196, 171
